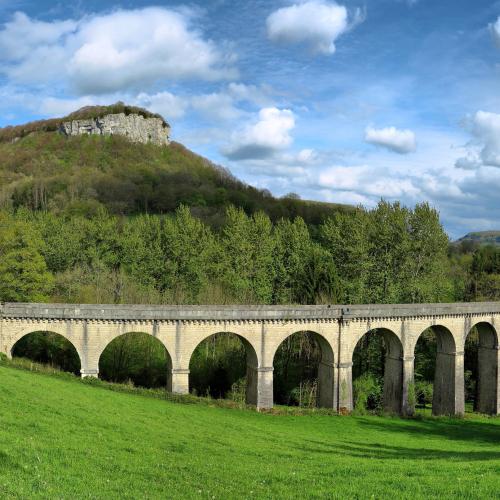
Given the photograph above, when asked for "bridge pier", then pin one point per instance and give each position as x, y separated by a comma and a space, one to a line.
488, 396
448, 398
89, 373
393, 385
89, 365
260, 391
178, 381
345, 397
408, 402
327, 394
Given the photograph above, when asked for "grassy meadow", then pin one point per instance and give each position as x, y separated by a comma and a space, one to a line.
60, 438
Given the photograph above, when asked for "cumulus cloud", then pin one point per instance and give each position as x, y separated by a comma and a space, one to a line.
262, 139
366, 180
398, 141
111, 52
470, 162
165, 103
54, 106
22, 35
259, 95
315, 23
217, 106
485, 147
495, 32
220, 107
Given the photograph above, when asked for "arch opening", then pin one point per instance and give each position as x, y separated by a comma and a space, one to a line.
378, 372
304, 373
48, 348
224, 366
435, 370
137, 358
481, 369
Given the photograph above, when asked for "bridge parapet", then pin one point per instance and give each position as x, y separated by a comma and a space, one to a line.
243, 312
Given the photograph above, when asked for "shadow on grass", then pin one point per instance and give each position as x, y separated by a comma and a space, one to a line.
6, 462
387, 452
453, 429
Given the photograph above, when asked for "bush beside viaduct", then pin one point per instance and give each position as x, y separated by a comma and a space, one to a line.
338, 329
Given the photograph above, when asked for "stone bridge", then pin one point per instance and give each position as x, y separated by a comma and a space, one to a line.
337, 329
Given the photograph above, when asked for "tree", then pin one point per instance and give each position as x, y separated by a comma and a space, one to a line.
427, 265
346, 237
248, 256
23, 271
293, 244
189, 256
388, 252
319, 281
143, 250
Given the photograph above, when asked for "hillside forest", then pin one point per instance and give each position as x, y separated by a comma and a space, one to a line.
101, 220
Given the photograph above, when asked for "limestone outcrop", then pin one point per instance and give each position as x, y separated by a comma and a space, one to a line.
134, 127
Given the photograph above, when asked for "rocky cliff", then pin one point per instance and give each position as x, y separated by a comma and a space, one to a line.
135, 127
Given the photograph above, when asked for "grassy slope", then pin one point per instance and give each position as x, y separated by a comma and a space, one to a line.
63, 439
50, 172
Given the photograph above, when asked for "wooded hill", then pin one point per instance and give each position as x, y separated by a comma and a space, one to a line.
480, 238
41, 169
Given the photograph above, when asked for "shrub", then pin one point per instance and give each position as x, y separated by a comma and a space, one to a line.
367, 394
424, 392
305, 395
238, 391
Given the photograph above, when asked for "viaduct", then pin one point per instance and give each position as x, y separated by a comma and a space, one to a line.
337, 329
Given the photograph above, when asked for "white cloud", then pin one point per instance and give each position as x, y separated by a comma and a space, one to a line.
22, 36
34, 51
399, 141
486, 127
55, 107
170, 106
125, 49
307, 156
271, 133
469, 162
315, 23
217, 106
366, 181
495, 32
485, 148
259, 95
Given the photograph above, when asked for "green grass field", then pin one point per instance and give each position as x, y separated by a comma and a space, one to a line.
64, 439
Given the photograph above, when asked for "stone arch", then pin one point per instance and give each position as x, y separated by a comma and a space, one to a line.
252, 361
132, 331
488, 368
55, 331
326, 369
392, 399
446, 397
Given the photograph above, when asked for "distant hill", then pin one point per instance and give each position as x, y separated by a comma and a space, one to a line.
42, 169
481, 238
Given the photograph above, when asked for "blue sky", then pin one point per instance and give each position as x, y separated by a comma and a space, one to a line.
346, 101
